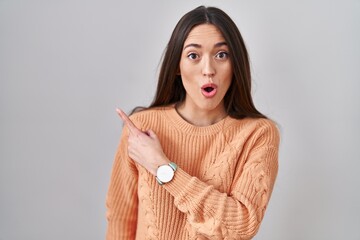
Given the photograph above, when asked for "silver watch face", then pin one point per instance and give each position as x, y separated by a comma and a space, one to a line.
165, 173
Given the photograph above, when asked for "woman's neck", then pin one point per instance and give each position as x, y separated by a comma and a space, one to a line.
199, 117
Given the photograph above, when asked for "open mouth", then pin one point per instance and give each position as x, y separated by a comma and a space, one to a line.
209, 90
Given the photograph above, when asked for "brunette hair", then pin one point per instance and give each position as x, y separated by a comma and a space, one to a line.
238, 101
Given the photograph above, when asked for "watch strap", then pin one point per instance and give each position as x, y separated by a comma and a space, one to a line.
173, 166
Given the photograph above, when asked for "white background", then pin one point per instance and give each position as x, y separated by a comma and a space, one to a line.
65, 66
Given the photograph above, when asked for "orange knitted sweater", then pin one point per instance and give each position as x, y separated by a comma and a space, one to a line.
224, 180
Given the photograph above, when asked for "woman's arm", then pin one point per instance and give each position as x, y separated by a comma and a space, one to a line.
122, 201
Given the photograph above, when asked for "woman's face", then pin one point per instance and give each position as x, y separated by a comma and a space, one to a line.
205, 69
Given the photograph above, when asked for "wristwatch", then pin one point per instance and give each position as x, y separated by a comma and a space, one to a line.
165, 173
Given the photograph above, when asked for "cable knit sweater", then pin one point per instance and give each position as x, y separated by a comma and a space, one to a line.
226, 172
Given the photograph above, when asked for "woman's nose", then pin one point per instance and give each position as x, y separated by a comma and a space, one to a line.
208, 68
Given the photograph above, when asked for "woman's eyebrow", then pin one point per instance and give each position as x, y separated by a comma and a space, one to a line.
220, 44
195, 45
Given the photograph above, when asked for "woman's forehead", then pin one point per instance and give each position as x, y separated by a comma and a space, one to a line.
204, 32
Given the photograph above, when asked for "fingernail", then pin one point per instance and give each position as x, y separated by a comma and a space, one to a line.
119, 112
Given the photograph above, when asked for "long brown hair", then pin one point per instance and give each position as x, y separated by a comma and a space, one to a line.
238, 101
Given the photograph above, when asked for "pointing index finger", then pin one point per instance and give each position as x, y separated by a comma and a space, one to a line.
133, 129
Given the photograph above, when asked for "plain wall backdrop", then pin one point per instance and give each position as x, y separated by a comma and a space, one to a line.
66, 65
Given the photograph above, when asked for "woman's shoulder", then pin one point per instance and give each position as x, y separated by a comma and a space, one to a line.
254, 127
144, 116
148, 112
254, 123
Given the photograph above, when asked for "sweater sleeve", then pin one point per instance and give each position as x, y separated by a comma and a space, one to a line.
237, 215
121, 200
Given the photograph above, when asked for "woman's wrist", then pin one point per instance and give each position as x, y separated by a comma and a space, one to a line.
159, 162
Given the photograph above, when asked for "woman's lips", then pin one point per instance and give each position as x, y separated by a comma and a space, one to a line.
209, 90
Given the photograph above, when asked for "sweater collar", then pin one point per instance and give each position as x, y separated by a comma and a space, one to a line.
187, 127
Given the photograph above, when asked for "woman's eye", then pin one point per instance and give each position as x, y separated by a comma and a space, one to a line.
222, 55
192, 56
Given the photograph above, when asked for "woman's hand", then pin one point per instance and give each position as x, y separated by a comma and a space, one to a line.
144, 147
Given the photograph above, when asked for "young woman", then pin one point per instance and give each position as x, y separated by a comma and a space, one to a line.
201, 161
